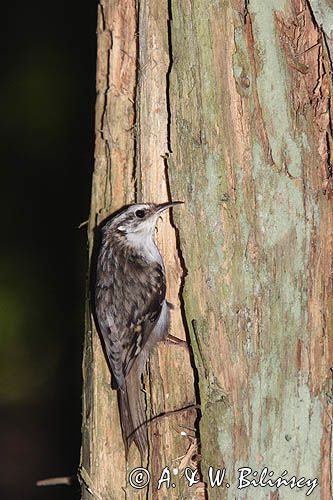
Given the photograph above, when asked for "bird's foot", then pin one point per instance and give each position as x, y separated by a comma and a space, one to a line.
171, 339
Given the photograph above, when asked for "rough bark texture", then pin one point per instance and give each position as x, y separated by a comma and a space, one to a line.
131, 144
226, 105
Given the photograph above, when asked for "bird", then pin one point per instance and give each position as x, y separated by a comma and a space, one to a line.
130, 308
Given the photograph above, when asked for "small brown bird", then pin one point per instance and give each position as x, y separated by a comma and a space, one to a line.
130, 307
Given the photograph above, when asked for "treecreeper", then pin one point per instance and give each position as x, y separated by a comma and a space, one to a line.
130, 308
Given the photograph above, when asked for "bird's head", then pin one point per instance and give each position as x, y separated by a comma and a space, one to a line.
138, 221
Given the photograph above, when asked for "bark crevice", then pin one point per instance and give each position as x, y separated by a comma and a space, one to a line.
181, 258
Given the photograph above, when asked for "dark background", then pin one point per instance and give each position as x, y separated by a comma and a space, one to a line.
47, 114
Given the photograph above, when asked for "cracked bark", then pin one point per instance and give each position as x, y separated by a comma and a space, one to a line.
226, 105
132, 123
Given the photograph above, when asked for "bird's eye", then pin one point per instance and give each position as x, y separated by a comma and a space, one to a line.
140, 213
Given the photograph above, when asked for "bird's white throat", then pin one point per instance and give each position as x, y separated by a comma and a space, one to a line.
143, 241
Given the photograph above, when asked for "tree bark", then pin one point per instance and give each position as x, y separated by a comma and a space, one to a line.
226, 105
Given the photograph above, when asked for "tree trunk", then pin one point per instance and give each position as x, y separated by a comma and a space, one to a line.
226, 105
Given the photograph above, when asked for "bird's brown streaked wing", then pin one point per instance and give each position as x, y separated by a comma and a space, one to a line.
140, 288
148, 309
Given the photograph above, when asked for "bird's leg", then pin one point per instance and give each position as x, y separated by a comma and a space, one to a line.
171, 339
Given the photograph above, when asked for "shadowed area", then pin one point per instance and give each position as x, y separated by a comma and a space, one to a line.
47, 93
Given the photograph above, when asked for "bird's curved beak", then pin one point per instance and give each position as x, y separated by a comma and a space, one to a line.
163, 206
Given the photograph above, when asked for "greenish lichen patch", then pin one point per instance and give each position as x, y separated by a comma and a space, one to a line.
273, 86
253, 216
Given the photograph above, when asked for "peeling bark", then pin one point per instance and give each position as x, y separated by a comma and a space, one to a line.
113, 186
227, 106
131, 147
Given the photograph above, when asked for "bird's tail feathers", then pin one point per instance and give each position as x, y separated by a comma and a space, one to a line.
132, 414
